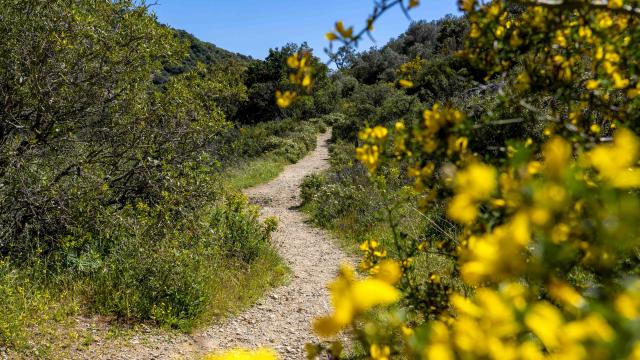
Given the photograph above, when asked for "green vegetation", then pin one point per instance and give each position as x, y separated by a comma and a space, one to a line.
123, 147
293, 141
492, 195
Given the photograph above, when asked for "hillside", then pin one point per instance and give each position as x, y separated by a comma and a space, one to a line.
199, 52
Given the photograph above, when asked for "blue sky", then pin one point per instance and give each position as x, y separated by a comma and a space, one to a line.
251, 27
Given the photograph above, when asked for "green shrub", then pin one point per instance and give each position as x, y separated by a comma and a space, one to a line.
311, 186
249, 142
173, 279
290, 150
318, 123
333, 118
345, 128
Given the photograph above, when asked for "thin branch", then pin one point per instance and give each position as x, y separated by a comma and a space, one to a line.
499, 122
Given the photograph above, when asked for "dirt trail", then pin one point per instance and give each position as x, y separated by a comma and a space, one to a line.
281, 319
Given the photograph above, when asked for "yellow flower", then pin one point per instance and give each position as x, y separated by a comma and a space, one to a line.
364, 246
539, 216
439, 347
327, 326
413, 3
477, 180
406, 331
496, 312
461, 144
380, 352
494, 9
293, 62
534, 167
523, 82
530, 351
496, 255
598, 327
627, 306
515, 293
465, 306
242, 354
370, 24
467, 5
351, 297
618, 81
560, 39
345, 33
405, 83
515, 39
557, 153
622, 23
306, 81
463, 209
592, 84
475, 31
585, 32
367, 293
615, 4
604, 20
564, 293
616, 161
613, 57
380, 132
331, 36
285, 99
389, 272
380, 254
609, 67
369, 155
546, 322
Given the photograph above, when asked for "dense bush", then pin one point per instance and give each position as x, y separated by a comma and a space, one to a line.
67, 146
344, 199
287, 138
174, 279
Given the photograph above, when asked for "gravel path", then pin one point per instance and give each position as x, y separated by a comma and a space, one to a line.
281, 319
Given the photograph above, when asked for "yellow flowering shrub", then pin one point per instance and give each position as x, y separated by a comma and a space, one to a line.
534, 220
548, 239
